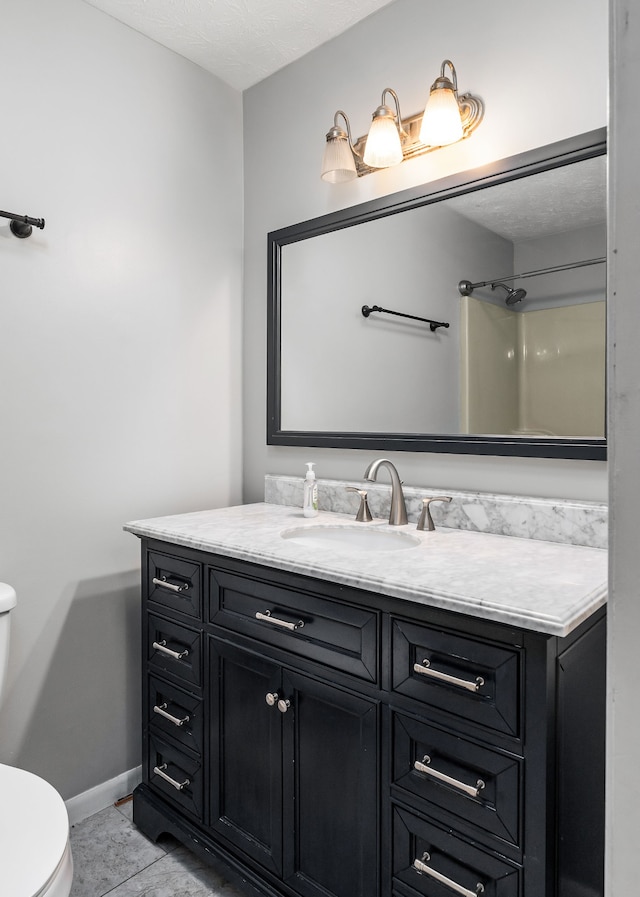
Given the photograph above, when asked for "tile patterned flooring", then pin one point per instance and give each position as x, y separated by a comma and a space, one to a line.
112, 857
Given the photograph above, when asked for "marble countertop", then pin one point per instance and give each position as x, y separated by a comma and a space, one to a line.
543, 586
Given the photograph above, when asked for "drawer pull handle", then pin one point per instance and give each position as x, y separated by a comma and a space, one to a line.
421, 867
426, 669
179, 786
161, 709
169, 585
266, 616
423, 766
177, 655
283, 705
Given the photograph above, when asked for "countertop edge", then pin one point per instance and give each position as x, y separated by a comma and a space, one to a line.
440, 599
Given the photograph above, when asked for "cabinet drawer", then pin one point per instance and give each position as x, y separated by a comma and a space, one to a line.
434, 862
175, 714
176, 776
335, 634
472, 783
174, 649
475, 680
174, 583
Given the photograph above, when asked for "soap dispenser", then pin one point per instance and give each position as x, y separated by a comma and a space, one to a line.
310, 501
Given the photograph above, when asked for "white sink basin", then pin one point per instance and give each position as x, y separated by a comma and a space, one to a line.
358, 538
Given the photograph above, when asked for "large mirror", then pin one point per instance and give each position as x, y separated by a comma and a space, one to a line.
464, 316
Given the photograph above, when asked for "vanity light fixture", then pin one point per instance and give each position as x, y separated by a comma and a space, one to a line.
448, 117
442, 119
338, 163
383, 147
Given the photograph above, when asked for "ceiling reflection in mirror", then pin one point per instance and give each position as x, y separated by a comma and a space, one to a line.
519, 359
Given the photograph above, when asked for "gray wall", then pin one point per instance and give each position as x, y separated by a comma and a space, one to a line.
287, 115
119, 358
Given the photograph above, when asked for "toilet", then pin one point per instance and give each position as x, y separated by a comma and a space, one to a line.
35, 854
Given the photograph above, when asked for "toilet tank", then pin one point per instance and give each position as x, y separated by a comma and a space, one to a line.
7, 603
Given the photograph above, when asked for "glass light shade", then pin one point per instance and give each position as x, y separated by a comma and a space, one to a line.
441, 122
383, 148
338, 164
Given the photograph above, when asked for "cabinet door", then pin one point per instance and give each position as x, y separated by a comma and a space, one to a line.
330, 790
246, 753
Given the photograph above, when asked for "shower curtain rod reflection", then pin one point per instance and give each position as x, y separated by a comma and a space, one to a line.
466, 287
433, 325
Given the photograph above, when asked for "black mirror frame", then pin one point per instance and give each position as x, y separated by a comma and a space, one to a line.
555, 155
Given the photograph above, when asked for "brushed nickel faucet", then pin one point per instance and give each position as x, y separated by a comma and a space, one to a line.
398, 510
426, 520
364, 514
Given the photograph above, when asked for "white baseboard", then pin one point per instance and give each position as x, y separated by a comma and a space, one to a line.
101, 796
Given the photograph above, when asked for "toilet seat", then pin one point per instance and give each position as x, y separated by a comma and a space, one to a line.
35, 857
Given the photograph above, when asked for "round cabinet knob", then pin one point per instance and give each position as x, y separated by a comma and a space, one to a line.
283, 706
271, 698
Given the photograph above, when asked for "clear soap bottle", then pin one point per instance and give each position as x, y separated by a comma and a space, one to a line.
310, 501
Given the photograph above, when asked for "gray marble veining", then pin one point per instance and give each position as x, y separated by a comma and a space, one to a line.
177, 873
526, 517
540, 585
111, 857
124, 852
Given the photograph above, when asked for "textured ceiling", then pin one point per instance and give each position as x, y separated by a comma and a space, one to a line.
240, 41
550, 202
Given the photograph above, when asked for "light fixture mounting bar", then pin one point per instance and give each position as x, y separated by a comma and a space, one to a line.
471, 113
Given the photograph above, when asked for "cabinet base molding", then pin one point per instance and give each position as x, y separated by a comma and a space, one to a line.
155, 818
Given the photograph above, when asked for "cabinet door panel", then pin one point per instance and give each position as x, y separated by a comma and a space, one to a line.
581, 671
331, 790
246, 753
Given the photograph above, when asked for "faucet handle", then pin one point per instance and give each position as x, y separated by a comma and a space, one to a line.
364, 514
426, 520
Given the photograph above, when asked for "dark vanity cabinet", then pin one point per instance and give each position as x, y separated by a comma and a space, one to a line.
323, 741
292, 761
